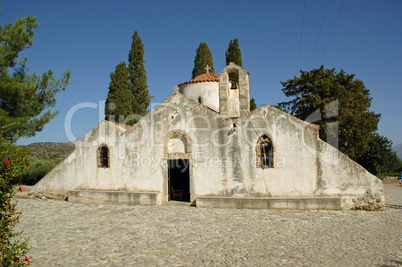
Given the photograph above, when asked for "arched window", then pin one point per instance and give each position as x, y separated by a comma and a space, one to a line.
103, 157
265, 153
200, 99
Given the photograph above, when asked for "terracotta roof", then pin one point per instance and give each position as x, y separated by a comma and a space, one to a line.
206, 77
124, 126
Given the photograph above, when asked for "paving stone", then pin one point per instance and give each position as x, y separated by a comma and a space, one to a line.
70, 234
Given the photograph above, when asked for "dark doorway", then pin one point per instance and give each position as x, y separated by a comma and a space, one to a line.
179, 180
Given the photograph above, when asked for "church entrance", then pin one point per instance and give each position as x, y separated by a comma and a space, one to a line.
179, 180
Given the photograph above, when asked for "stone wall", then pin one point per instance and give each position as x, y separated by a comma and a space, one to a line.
389, 179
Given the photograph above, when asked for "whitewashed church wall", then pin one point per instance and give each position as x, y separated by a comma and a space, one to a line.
222, 154
229, 160
80, 169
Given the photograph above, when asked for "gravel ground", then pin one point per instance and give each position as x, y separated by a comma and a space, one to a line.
68, 234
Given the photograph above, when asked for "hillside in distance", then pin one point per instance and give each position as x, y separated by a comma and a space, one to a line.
49, 150
398, 150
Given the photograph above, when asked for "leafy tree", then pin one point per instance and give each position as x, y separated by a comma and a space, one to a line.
203, 57
138, 77
233, 54
24, 99
119, 101
13, 162
336, 98
253, 105
380, 158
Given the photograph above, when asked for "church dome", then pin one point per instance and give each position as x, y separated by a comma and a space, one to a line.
204, 89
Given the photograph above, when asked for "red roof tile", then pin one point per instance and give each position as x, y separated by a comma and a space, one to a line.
121, 125
206, 77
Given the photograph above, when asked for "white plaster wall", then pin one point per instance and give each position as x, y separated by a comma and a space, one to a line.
208, 91
302, 162
79, 170
234, 102
227, 165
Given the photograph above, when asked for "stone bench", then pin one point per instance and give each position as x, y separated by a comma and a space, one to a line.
113, 197
301, 203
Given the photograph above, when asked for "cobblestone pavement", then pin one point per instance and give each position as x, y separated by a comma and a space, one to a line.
67, 234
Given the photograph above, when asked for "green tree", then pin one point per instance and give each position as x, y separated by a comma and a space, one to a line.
253, 105
138, 77
13, 162
233, 54
380, 158
339, 100
24, 99
203, 57
118, 106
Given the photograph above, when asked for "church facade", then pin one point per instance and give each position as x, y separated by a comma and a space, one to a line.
202, 146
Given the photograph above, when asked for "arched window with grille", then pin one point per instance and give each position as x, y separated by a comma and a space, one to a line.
103, 157
265, 152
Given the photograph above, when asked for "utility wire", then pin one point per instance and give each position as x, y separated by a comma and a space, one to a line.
301, 35
319, 33
255, 130
333, 27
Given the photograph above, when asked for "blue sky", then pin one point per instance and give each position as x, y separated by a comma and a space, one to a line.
92, 37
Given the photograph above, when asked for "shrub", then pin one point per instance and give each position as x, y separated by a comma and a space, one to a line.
38, 170
390, 174
13, 162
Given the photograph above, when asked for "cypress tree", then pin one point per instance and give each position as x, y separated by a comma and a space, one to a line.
233, 54
203, 57
253, 105
118, 102
138, 77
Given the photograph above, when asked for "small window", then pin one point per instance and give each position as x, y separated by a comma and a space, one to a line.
103, 157
265, 153
200, 99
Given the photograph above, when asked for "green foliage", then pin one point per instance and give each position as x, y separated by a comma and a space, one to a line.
380, 159
138, 78
280, 108
390, 174
13, 162
118, 105
253, 105
233, 54
203, 57
38, 170
24, 99
317, 90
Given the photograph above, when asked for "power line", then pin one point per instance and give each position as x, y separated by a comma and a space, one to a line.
258, 135
319, 33
333, 27
301, 34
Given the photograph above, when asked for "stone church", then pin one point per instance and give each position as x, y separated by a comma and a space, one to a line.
202, 146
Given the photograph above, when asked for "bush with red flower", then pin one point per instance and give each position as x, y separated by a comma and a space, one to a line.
13, 162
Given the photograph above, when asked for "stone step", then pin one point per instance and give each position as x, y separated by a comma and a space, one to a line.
301, 203
113, 197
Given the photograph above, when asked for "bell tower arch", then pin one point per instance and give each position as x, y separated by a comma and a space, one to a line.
234, 99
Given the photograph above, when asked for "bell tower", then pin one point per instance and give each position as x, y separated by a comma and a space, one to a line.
234, 99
